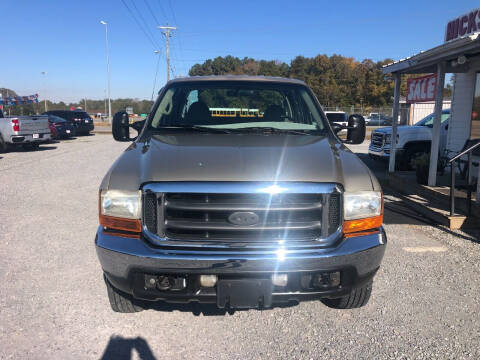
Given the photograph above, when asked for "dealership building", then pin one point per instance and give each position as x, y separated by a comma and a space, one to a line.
460, 56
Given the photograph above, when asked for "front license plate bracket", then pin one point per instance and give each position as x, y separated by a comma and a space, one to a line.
244, 293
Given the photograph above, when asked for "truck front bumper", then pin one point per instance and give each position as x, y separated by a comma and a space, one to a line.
382, 153
128, 262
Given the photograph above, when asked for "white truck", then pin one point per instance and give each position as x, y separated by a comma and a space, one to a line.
26, 131
411, 141
337, 117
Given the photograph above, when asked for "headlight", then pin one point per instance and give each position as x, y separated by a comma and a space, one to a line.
122, 204
364, 204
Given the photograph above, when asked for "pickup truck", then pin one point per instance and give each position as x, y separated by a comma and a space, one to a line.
412, 141
338, 117
239, 210
27, 131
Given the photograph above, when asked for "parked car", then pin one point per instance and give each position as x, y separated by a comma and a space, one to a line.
378, 119
79, 119
239, 211
26, 131
53, 130
60, 128
412, 141
337, 117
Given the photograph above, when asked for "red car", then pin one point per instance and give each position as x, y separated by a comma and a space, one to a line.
53, 130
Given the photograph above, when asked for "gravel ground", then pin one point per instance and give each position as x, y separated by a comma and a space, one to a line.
53, 303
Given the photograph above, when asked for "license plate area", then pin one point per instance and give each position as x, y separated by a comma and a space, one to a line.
244, 293
36, 136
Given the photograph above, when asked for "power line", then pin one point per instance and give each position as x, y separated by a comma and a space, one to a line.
144, 21
162, 9
155, 46
178, 38
152, 13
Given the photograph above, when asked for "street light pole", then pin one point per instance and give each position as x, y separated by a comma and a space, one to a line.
108, 72
45, 90
156, 52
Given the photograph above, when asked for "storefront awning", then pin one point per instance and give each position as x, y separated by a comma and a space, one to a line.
426, 61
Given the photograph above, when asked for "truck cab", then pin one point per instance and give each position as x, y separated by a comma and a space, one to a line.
248, 207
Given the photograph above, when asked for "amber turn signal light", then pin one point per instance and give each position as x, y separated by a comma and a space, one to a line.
351, 226
115, 223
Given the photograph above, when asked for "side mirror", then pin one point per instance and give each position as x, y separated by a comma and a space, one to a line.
120, 126
356, 129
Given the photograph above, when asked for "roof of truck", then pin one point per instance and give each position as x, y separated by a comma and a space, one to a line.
270, 79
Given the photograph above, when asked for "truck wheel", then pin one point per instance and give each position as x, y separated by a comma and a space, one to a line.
119, 301
3, 145
357, 298
411, 153
31, 146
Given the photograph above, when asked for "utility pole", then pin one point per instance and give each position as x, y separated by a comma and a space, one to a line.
85, 100
167, 37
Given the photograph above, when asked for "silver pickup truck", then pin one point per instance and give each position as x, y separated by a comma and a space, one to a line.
238, 192
27, 131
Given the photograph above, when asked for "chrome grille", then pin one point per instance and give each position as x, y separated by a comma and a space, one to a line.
205, 216
377, 140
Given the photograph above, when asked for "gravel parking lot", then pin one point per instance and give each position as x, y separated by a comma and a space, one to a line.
53, 302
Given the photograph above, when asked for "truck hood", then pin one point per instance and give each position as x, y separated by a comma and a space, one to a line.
424, 131
238, 157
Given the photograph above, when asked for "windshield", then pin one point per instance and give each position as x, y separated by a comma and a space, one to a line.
217, 105
428, 121
332, 117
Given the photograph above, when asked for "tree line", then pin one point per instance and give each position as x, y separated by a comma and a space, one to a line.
336, 80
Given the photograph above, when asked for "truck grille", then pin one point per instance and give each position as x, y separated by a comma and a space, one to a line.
285, 218
377, 140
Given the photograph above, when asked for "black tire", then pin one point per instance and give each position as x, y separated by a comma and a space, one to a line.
411, 153
3, 145
31, 146
357, 298
119, 301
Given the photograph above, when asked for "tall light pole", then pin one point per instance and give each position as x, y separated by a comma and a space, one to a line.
44, 73
108, 72
167, 37
156, 52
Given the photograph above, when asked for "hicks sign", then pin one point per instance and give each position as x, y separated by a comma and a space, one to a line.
421, 89
463, 25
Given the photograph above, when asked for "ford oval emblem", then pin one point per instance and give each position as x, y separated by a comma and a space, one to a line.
243, 218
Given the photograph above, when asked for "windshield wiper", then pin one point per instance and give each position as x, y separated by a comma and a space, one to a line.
271, 130
195, 128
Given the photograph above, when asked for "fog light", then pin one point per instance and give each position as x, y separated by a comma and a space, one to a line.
326, 280
279, 279
164, 283
208, 280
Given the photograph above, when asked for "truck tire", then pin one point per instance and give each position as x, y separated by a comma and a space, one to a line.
119, 301
411, 152
3, 145
31, 146
357, 298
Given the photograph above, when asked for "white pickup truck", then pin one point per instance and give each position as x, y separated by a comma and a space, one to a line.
27, 131
411, 140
